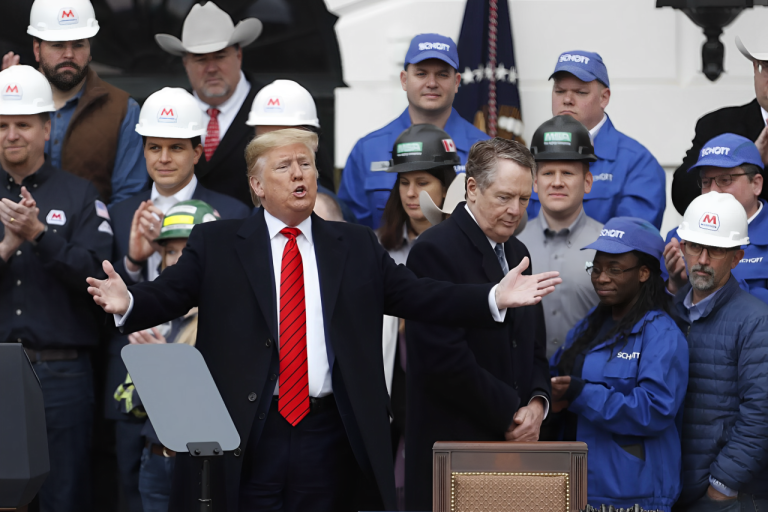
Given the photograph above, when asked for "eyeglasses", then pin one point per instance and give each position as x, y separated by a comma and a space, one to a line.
612, 272
716, 253
722, 181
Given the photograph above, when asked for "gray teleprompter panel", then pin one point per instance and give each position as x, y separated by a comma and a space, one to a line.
179, 395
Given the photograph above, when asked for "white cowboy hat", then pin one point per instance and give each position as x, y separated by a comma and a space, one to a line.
453, 196
751, 56
208, 29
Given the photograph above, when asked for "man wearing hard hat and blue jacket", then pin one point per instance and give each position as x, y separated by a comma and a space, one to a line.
731, 164
627, 179
431, 80
724, 435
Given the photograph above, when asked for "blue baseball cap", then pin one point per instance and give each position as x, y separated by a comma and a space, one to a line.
586, 66
728, 150
624, 234
432, 46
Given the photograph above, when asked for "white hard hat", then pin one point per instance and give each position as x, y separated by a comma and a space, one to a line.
62, 20
283, 103
172, 113
24, 91
715, 219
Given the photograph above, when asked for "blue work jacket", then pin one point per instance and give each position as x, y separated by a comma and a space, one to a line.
628, 181
752, 270
365, 190
633, 394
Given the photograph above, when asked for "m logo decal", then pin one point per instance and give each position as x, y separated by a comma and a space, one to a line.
11, 92
166, 115
274, 105
710, 221
68, 16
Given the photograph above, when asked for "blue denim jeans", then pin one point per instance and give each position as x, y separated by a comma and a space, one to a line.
155, 479
68, 396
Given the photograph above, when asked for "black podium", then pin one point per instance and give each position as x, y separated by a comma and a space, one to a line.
23, 440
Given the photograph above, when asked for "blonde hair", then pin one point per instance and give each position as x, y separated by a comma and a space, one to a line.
257, 149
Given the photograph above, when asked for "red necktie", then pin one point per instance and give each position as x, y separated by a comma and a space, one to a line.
212, 136
294, 382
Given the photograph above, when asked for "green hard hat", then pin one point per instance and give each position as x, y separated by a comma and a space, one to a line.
183, 216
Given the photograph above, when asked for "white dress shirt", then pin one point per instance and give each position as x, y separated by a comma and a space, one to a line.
317, 356
594, 131
164, 203
765, 115
503, 312
227, 110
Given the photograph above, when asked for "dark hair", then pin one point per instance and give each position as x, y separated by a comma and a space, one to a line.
652, 296
751, 170
45, 116
394, 217
196, 141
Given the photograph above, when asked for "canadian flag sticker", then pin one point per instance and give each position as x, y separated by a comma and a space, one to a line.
56, 217
449, 145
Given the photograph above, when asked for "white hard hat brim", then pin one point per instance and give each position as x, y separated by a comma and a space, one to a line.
246, 32
25, 110
281, 121
710, 240
73, 34
751, 56
169, 133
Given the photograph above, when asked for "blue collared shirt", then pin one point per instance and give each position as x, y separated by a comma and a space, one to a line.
129, 175
696, 311
365, 190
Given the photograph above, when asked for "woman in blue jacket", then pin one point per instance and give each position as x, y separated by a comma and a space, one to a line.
620, 379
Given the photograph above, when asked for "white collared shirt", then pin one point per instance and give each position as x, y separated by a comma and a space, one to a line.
317, 356
765, 115
164, 203
492, 303
227, 110
594, 131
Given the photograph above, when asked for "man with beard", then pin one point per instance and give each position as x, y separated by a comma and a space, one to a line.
725, 443
92, 129
211, 49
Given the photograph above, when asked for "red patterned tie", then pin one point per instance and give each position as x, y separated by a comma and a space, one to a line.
294, 382
212, 136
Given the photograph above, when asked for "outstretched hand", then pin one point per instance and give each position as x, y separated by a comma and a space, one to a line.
111, 293
517, 290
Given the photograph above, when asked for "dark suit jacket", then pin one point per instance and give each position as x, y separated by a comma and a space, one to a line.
746, 120
227, 173
122, 215
466, 384
226, 270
